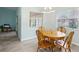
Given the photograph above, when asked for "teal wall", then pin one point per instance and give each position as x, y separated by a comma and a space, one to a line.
7, 16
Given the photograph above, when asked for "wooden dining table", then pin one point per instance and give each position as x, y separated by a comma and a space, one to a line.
53, 35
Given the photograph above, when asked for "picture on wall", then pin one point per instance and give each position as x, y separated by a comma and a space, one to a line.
71, 23
36, 19
68, 18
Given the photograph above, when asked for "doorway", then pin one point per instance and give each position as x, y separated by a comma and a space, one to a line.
8, 23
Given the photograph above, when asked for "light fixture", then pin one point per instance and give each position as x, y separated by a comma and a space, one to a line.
48, 10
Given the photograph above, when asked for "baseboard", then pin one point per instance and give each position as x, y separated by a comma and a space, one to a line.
75, 43
28, 38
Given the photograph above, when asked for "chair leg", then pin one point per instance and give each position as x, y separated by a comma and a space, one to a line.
65, 50
61, 48
37, 49
50, 48
69, 50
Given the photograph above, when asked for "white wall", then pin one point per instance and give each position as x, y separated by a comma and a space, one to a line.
76, 37
64, 12
49, 20
26, 31
19, 22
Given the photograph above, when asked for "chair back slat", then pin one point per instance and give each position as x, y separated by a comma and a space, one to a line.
68, 40
61, 29
39, 35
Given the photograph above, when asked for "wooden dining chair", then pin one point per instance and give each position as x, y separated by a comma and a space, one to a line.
67, 43
42, 43
61, 29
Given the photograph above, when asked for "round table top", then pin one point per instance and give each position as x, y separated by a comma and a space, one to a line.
54, 34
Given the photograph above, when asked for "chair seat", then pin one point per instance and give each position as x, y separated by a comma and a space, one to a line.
44, 44
60, 43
